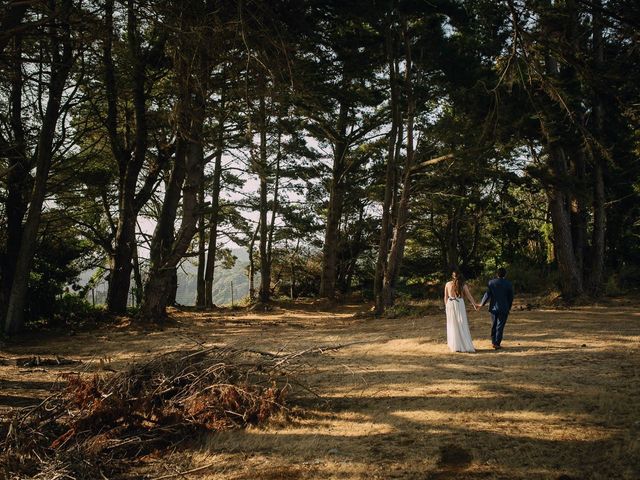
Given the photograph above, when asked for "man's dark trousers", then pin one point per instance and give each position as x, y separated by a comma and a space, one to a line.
498, 321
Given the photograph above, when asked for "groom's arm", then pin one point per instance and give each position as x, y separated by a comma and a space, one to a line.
485, 297
510, 295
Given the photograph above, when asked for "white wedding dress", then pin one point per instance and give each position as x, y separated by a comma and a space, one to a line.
458, 334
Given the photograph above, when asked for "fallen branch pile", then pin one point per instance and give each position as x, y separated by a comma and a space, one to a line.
96, 422
38, 361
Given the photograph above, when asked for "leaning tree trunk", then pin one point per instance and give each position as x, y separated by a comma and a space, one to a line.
60, 69
167, 252
192, 69
137, 276
158, 285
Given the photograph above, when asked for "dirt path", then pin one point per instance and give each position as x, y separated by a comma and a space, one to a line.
562, 398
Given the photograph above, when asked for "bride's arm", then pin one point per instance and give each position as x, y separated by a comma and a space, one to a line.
467, 292
445, 295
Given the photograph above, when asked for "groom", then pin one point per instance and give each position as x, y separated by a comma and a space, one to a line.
500, 296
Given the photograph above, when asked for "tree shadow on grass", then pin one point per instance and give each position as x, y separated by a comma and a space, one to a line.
543, 415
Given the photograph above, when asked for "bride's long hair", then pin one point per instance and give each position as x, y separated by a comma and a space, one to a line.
458, 281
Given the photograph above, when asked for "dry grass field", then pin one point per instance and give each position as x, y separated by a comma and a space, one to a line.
560, 401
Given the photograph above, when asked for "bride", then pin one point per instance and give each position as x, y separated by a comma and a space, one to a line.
458, 334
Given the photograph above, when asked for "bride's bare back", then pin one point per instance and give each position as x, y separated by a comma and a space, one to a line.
449, 293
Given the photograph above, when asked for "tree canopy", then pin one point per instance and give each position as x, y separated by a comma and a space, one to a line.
345, 146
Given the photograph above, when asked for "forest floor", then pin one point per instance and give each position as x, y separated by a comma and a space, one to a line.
560, 401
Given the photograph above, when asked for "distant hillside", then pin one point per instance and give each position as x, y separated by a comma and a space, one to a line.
222, 282
187, 278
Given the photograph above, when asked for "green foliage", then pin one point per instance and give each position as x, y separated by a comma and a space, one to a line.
531, 278
57, 264
70, 306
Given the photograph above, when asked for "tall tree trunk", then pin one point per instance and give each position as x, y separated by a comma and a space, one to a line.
599, 197
18, 180
389, 188
213, 233
571, 277
215, 208
396, 251
265, 270
274, 203
396, 169
60, 68
578, 197
559, 193
252, 268
120, 277
336, 204
130, 164
200, 295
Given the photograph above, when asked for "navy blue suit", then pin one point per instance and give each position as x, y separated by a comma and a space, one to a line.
500, 296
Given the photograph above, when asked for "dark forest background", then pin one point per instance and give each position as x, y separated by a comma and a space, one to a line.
361, 146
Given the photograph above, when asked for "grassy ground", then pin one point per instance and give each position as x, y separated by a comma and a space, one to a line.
561, 400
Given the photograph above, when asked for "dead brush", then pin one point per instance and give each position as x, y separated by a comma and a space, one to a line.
95, 423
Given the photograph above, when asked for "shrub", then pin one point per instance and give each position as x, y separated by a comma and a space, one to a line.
612, 287
70, 309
